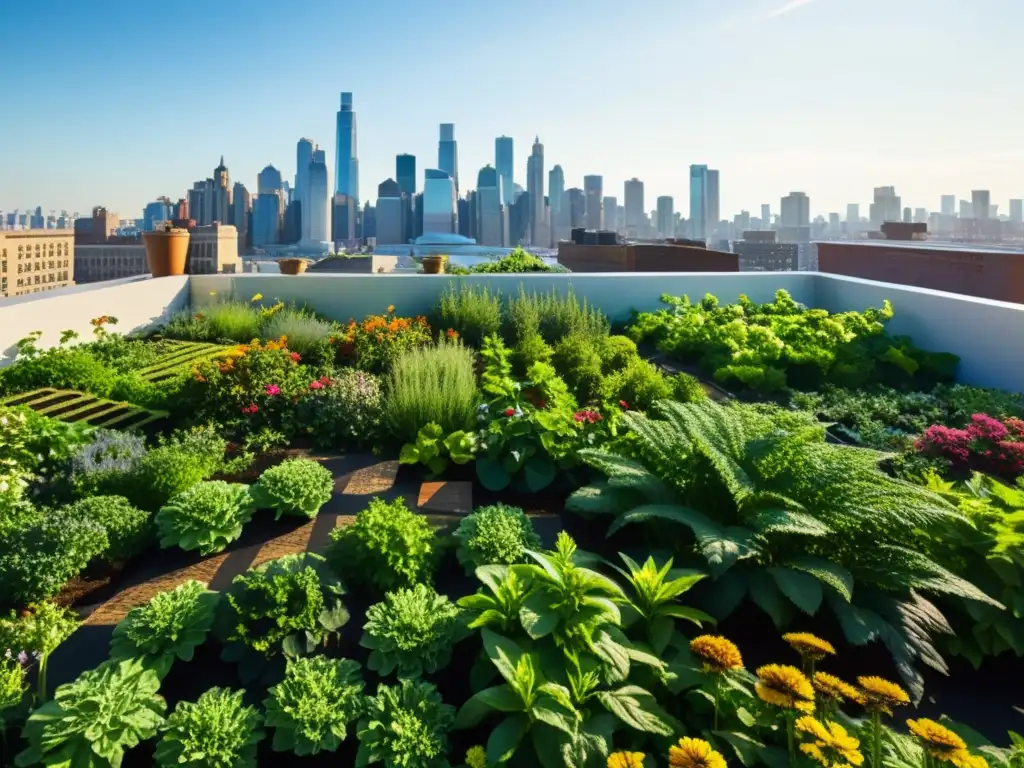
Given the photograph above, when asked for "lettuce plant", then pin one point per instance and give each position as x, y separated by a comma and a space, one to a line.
387, 546
311, 709
208, 517
215, 731
298, 487
405, 726
170, 626
92, 721
497, 534
412, 631
288, 606
128, 529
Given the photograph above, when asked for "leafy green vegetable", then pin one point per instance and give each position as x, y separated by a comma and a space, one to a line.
405, 726
208, 516
298, 487
215, 731
128, 529
170, 626
311, 709
496, 534
38, 632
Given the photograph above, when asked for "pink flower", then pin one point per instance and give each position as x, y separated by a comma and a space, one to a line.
250, 409
624, 405
590, 417
273, 389
316, 385
296, 356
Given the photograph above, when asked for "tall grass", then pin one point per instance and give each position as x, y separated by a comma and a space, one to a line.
554, 316
430, 384
306, 333
474, 312
233, 320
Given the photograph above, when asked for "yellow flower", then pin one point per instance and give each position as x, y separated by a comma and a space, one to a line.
881, 696
831, 745
936, 738
961, 758
831, 687
257, 297
391, 309
784, 686
809, 646
694, 753
213, 293
717, 653
476, 757
626, 760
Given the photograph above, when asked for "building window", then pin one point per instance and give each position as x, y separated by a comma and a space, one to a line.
3, 264
3, 285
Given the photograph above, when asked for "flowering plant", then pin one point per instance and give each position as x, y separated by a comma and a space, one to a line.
373, 343
985, 444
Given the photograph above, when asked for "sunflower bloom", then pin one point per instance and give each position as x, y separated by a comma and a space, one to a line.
809, 646
829, 744
961, 758
832, 688
786, 687
626, 760
476, 757
881, 696
936, 738
718, 654
694, 753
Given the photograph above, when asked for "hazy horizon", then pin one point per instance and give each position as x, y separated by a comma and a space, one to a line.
119, 104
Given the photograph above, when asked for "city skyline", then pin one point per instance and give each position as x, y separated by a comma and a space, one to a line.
799, 104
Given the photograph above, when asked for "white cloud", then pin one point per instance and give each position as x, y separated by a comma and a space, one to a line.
789, 7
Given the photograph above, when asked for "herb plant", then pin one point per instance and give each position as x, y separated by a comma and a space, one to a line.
343, 409
311, 709
170, 626
411, 632
405, 726
92, 721
495, 534
128, 529
38, 632
472, 312
215, 731
12, 692
387, 546
297, 487
208, 517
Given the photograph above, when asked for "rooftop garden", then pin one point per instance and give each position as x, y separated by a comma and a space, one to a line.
508, 534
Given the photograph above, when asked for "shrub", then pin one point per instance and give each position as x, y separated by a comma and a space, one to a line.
98, 717
639, 384
387, 546
522, 317
561, 316
373, 344
215, 730
529, 350
232, 320
519, 260
128, 528
577, 361
343, 409
297, 487
43, 552
12, 691
986, 444
687, 389
61, 368
406, 725
181, 462
170, 626
101, 465
472, 312
617, 352
306, 334
496, 534
311, 709
289, 606
208, 517
411, 632
430, 385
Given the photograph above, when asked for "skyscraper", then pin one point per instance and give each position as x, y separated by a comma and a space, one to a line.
980, 202
448, 154
634, 204
610, 207
303, 157
439, 198
666, 217
887, 206
556, 188
492, 215
504, 164
346, 159
221, 203
795, 210
714, 214
316, 226
268, 180
575, 203
948, 206
699, 202
1017, 211
852, 218
390, 213
405, 174
766, 215
535, 186
593, 188
240, 208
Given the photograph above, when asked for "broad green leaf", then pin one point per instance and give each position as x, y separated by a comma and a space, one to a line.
767, 596
801, 588
685, 612
837, 577
555, 715
506, 737
537, 616
504, 653
500, 698
638, 709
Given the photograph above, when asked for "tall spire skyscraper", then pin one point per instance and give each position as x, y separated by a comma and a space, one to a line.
448, 154
503, 163
535, 186
346, 159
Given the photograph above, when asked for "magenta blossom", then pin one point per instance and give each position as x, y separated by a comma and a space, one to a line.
316, 385
273, 389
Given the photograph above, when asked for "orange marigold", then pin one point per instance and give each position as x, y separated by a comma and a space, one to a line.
938, 740
809, 646
831, 687
784, 686
626, 760
717, 653
694, 753
880, 695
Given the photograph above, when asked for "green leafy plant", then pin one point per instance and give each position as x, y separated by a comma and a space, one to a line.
129, 529
92, 721
529, 350
387, 546
38, 632
289, 606
306, 334
554, 315
518, 260
578, 362
311, 709
170, 626
208, 516
405, 726
639, 384
430, 385
188, 457
495, 534
412, 632
344, 409
617, 352
298, 487
472, 312
498, 605
435, 451
12, 693
215, 731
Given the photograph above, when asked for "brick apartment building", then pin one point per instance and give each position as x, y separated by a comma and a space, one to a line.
35, 260
666, 256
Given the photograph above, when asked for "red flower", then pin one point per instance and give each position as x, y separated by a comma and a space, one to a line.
296, 356
273, 389
510, 412
624, 405
250, 409
590, 417
316, 385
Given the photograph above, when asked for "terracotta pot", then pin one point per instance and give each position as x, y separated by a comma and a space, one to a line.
166, 251
292, 266
433, 265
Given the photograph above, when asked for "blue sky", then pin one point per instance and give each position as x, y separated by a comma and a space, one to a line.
115, 102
